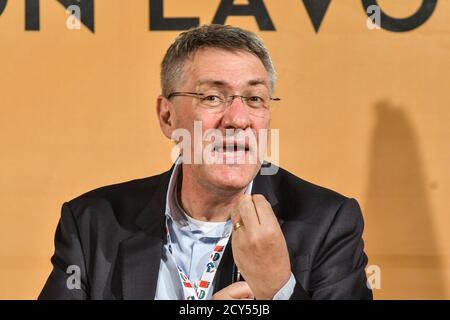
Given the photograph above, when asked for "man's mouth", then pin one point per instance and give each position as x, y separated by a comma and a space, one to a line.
234, 150
231, 147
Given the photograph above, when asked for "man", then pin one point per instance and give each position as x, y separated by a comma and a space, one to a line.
187, 233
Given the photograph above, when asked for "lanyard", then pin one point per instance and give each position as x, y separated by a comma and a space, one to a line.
199, 291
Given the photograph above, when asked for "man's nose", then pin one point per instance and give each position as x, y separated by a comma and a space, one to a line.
236, 115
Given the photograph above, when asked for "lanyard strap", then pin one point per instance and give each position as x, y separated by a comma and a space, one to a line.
199, 290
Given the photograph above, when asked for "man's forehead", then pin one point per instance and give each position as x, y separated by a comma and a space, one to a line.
216, 67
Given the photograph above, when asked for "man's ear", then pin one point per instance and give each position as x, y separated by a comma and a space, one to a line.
166, 116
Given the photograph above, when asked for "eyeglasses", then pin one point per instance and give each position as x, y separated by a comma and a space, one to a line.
218, 102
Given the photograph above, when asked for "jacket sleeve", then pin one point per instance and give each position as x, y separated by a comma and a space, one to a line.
339, 265
68, 278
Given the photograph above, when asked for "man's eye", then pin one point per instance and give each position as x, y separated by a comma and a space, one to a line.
212, 98
255, 99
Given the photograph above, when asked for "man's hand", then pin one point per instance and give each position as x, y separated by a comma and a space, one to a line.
236, 291
259, 247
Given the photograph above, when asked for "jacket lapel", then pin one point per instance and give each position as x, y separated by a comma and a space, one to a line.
140, 255
140, 259
262, 184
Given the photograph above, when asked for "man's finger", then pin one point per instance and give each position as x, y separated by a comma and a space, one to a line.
235, 291
264, 210
246, 214
240, 290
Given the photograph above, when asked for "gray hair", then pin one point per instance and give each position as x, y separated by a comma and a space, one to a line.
211, 36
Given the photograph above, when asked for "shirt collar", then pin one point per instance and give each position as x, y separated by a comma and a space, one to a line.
176, 213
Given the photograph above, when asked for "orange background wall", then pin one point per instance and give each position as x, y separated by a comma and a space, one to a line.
364, 112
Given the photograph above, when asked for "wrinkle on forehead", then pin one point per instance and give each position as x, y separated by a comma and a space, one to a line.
223, 68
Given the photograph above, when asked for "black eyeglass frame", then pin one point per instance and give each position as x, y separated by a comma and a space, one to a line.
189, 94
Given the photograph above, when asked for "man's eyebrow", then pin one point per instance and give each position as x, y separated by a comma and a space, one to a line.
213, 82
221, 83
256, 82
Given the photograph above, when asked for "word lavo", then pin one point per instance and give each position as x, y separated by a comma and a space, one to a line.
316, 10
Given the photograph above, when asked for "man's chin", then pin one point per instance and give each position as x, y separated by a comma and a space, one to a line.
231, 176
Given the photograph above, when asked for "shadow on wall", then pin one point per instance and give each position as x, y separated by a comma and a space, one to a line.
399, 227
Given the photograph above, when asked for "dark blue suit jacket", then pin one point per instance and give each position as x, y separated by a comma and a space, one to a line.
115, 235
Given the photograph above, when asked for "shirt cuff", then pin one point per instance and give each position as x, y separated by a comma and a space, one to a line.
286, 291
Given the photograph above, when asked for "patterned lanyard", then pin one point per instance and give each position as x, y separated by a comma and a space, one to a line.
199, 291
